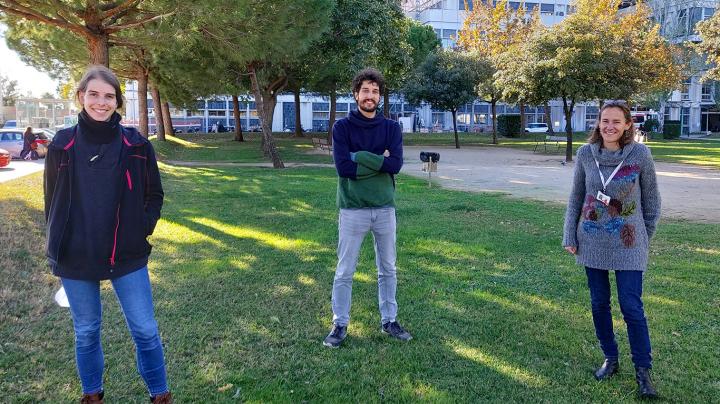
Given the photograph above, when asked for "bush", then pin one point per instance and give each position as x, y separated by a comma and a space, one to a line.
671, 129
509, 125
651, 125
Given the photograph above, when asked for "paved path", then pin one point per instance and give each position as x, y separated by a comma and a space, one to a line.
20, 168
687, 191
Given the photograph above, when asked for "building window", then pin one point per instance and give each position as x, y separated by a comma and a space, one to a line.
216, 113
666, 114
685, 90
708, 12
216, 104
514, 5
707, 92
591, 116
695, 17
685, 120
531, 7
462, 4
449, 37
681, 23
547, 9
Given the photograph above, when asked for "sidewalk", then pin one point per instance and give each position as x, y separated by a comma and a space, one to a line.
688, 191
20, 168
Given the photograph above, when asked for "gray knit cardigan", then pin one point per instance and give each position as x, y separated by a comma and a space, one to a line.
614, 236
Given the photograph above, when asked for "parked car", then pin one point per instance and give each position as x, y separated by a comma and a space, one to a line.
4, 158
536, 127
12, 140
11, 123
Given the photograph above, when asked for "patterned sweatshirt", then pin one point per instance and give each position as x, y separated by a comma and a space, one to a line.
616, 235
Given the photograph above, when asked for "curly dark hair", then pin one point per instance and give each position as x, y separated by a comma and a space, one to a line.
627, 137
371, 75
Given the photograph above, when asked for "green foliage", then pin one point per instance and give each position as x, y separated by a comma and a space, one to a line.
651, 125
671, 129
509, 125
9, 90
422, 40
446, 79
709, 32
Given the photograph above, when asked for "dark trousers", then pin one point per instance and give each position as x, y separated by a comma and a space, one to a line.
629, 289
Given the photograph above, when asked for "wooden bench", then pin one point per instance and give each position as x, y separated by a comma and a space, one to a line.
322, 144
549, 139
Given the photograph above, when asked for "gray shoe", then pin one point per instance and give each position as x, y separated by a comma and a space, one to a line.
336, 336
395, 330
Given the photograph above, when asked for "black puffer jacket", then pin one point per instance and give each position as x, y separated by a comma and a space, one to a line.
140, 199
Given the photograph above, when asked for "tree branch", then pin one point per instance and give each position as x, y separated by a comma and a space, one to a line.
13, 7
121, 9
116, 28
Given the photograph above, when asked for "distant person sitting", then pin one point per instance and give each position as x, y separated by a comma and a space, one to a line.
221, 128
29, 151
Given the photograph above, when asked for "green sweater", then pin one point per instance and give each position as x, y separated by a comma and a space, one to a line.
366, 181
371, 188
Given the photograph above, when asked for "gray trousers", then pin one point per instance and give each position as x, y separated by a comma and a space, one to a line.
353, 225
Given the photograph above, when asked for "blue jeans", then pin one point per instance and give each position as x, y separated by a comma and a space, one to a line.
135, 296
629, 288
353, 225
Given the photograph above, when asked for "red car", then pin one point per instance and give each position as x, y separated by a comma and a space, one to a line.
4, 157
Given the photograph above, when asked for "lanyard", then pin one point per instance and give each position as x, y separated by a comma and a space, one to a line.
602, 177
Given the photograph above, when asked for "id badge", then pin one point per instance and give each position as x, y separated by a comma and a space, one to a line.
603, 198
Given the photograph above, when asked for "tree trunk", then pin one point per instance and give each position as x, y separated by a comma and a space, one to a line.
548, 118
457, 140
265, 99
298, 121
386, 100
98, 48
568, 110
493, 106
333, 112
167, 119
523, 117
236, 115
142, 104
157, 108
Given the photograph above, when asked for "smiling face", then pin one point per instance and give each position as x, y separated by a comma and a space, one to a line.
99, 100
612, 127
368, 98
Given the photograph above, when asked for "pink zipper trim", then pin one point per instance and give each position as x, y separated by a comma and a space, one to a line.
117, 226
69, 145
127, 175
126, 142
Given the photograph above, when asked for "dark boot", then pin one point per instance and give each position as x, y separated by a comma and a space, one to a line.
95, 398
164, 398
645, 385
608, 369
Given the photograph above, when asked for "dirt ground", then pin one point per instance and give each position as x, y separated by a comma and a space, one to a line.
687, 191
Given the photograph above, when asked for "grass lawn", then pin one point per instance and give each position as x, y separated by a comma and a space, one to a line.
221, 147
242, 270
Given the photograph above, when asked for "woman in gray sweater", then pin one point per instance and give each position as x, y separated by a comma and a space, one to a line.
611, 216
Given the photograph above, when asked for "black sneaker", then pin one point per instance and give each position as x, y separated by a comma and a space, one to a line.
393, 329
336, 336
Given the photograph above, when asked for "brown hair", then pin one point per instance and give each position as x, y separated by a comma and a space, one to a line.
28, 131
627, 137
371, 75
100, 72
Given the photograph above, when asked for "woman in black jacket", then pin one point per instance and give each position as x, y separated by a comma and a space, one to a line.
29, 139
102, 199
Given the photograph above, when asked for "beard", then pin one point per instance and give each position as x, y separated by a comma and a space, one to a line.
373, 108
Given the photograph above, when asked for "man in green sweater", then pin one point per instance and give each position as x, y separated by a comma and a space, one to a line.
368, 153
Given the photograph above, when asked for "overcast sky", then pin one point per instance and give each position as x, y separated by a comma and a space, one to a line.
28, 78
